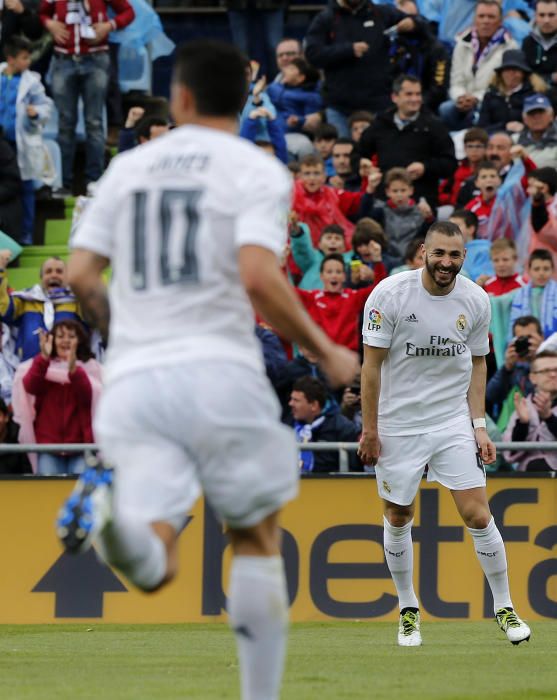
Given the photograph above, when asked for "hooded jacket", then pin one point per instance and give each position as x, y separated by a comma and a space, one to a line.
541, 54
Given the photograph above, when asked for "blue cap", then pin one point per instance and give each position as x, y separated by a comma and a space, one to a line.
537, 101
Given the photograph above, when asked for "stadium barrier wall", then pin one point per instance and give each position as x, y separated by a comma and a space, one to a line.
332, 547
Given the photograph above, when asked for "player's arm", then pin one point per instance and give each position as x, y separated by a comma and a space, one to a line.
274, 299
85, 277
476, 402
370, 388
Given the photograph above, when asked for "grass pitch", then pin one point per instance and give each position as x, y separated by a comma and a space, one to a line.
327, 661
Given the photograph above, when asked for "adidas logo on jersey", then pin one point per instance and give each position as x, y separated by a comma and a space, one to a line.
411, 319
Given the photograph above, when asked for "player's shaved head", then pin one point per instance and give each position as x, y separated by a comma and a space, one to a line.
216, 75
445, 228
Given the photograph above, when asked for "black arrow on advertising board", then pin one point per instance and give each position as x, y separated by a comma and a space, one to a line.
79, 583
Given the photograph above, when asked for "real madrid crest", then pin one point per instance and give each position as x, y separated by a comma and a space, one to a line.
461, 322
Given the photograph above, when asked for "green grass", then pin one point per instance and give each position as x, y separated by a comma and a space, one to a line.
346, 660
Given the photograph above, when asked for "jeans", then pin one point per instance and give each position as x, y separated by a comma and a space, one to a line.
245, 30
86, 77
454, 119
51, 464
339, 120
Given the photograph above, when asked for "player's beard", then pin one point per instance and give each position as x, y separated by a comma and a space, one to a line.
442, 281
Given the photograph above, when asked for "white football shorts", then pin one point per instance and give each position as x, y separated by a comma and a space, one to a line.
172, 432
450, 453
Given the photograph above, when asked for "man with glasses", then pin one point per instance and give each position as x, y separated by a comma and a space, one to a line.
535, 416
287, 50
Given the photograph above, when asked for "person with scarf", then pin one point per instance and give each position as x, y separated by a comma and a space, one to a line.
539, 297
478, 52
54, 395
39, 307
312, 422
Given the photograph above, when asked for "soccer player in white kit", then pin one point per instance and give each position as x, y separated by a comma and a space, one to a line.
193, 224
425, 338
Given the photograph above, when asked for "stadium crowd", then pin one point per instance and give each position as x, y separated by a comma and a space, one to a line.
389, 116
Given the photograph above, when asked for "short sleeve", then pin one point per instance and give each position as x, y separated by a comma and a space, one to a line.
96, 229
478, 340
378, 323
263, 218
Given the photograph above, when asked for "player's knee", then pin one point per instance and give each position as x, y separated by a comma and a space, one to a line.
476, 520
398, 516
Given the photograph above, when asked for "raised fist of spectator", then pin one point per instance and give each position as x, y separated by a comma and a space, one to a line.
424, 209
360, 48
518, 151
514, 127
373, 180
337, 182
365, 167
134, 115
32, 111
15, 6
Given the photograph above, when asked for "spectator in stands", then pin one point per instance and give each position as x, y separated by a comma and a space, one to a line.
139, 129
504, 259
503, 102
80, 68
39, 307
477, 262
303, 365
402, 219
11, 462
539, 138
54, 396
19, 18
542, 186
358, 122
24, 109
346, 164
539, 297
295, 98
324, 139
475, 146
9, 362
274, 354
308, 258
414, 257
286, 51
351, 404
535, 417
423, 56
336, 309
11, 191
540, 47
348, 41
488, 182
250, 129
319, 205
476, 55
312, 423
370, 254
514, 373
408, 136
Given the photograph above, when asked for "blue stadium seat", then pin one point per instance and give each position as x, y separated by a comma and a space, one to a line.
134, 69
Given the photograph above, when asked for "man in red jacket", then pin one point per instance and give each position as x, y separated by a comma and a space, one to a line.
335, 309
80, 68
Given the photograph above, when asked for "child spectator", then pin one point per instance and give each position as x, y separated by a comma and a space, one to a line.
318, 205
488, 182
414, 257
542, 185
24, 108
504, 259
309, 259
402, 218
335, 309
367, 262
477, 261
475, 146
324, 140
358, 122
539, 297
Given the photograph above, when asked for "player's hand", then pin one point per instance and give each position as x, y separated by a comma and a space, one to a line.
340, 365
60, 33
542, 402
370, 448
485, 446
46, 341
521, 408
134, 115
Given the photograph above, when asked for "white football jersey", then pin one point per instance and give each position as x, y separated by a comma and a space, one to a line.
431, 340
170, 216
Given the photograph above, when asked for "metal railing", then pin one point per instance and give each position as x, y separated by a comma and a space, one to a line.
343, 448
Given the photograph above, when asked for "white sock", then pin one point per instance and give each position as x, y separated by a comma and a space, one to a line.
490, 551
258, 614
130, 545
399, 554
